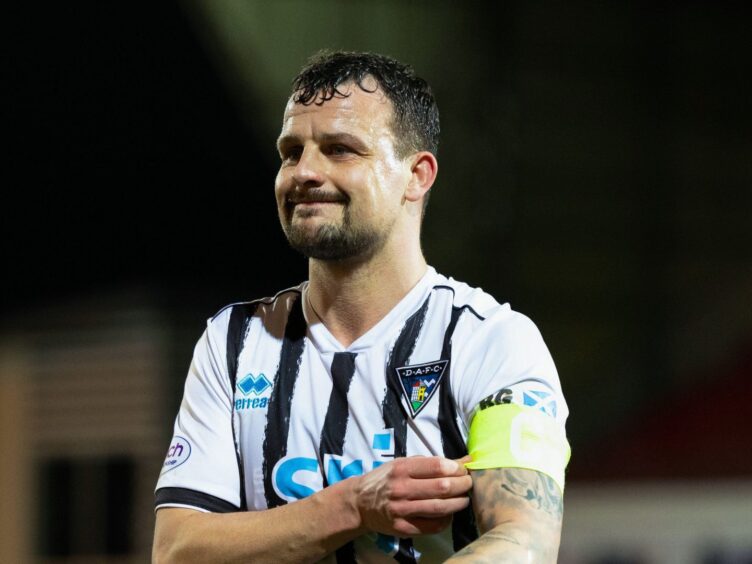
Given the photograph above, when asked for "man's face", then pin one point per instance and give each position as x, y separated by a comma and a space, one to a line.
340, 184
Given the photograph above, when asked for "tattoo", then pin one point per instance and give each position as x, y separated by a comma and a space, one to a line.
509, 486
519, 511
543, 492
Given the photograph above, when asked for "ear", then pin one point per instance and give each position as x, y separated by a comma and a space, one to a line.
424, 169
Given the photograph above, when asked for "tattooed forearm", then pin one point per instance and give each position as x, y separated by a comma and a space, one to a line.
519, 513
541, 492
514, 489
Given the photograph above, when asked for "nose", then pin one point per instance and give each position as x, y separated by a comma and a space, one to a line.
308, 171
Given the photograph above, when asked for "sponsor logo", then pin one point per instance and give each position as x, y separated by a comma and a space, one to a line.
502, 396
540, 400
177, 454
253, 386
296, 477
420, 382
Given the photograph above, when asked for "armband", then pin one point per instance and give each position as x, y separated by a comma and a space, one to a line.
516, 436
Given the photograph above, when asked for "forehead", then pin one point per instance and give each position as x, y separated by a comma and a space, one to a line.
354, 110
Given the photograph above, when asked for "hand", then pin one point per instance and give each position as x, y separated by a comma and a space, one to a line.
412, 496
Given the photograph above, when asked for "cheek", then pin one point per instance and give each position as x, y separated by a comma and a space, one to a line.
389, 185
280, 183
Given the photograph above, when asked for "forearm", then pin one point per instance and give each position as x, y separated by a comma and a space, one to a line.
511, 543
519, 513
304, 531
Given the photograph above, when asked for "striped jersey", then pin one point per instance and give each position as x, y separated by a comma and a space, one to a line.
275, 408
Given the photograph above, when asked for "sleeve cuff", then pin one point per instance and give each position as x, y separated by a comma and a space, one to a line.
191, 498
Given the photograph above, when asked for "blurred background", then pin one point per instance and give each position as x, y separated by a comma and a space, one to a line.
596, 161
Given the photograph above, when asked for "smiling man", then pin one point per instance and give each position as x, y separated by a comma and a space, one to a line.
380, 411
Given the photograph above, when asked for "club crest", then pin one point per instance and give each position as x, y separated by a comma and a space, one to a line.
419, 383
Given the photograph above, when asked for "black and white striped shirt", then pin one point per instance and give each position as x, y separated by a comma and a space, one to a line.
275, 408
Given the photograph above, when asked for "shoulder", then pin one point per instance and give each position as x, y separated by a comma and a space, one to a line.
494, 345
492, 317
229, 327
462, 296
281, 302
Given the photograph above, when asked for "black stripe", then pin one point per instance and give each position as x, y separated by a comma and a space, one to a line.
466, 306
395, 416
193, 498
237, 328
346, 554
335, 427
240, 317
405, 553
451, 438
278, 414
337, 414
464, 529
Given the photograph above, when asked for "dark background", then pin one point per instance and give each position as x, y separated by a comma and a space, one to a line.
595, 173
130, 164
596, 165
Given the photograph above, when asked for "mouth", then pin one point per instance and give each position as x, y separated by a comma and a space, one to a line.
314, 199
309, 202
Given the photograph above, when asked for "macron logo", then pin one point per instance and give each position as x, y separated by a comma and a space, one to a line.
254, 384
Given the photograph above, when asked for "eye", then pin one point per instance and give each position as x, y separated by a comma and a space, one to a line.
291, 154
339, 150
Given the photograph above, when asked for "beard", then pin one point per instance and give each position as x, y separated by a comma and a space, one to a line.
334, 242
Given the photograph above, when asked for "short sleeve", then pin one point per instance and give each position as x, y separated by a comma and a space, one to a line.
200, 470
504, 359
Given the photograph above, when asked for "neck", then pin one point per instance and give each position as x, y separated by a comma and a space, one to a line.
350, 297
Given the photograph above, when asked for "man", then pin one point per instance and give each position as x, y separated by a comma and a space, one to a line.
332, 422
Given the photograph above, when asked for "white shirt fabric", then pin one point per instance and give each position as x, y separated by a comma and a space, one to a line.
275, 408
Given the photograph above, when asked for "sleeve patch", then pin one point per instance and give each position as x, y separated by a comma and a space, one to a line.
507, 435
178, 453
541, 400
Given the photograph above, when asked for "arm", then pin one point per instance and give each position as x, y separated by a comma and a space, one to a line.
303, 531
405, 497
519, 514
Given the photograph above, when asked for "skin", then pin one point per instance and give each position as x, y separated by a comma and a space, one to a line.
338, 159
341, 179
405, 497
519, 514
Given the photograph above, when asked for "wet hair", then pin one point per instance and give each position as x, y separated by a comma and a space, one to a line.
415, 123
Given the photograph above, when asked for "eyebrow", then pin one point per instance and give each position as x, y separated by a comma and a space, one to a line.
345, 138
287, 140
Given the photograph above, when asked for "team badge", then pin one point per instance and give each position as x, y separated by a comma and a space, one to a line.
420, 382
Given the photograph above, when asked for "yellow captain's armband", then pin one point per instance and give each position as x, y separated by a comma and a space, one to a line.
516, 436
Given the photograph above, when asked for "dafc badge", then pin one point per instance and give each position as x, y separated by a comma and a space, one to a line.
420, 382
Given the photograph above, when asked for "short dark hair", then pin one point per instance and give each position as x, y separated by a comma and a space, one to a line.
416, 117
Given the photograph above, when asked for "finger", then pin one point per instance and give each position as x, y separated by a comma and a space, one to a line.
415, 526
432, 467
464, 460
431, 507
438, 488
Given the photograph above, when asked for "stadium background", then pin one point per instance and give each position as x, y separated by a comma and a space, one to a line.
596, 161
